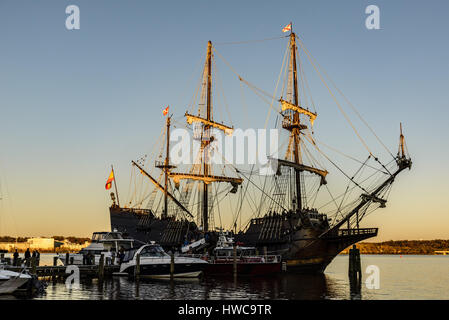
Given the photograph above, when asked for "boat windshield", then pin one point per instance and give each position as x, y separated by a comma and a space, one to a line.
113, 235
152, 251
129, 255
98, 236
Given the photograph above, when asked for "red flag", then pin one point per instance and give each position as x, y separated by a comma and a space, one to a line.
165, 111
287, 28
109, 181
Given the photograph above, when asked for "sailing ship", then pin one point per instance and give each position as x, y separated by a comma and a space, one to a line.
282, 222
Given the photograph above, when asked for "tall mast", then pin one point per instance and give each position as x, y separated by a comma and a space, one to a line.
166, 169
205, 141
207, 122
296, 120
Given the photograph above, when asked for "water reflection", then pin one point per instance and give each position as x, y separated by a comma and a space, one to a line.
410, 277
355, 286
284, 286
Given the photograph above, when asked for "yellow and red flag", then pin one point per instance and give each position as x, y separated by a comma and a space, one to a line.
287, 27
109, 181
165, 111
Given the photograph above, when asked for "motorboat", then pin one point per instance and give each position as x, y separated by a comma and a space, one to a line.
107, 243
156, 263
6, 275
19, 283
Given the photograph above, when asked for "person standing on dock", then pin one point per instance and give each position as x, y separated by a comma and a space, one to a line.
15, 258
36, 256
27, 257
121, 254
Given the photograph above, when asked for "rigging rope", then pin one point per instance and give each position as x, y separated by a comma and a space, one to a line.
349, 103
250, 41
334, 98
276, 88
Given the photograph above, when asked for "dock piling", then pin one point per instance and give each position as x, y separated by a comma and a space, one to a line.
33, 265
137, 269
234, 269
355, 268
355, 271
101, 268
172, 265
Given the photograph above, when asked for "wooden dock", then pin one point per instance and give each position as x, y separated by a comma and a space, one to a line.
58, 272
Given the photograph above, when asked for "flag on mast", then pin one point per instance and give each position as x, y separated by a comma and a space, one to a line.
165, 111
287, 27
109, 181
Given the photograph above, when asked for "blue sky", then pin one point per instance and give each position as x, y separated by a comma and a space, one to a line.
73, 102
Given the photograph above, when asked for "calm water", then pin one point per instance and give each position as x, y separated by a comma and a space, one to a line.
401, 277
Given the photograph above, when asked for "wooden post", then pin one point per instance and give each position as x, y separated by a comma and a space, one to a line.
101, 268
72, 260
67, 259
172, 265
355, 268
2, 256
137, 267
355, 271
265, 253
33, 265
55, 261
234, 269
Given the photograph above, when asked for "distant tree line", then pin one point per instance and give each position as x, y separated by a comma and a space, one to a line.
404, 247
76, 240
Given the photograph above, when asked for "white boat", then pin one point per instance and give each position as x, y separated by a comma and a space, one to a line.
7, 274
155, 263
11, 282
107, 243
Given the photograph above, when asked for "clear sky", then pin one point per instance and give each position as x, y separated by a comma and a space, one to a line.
74, 102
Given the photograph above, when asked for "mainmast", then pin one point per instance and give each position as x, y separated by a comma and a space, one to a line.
205, 141
296, 130
292, 123
207, 123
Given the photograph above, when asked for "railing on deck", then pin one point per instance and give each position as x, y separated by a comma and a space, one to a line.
240, 259
354, 232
